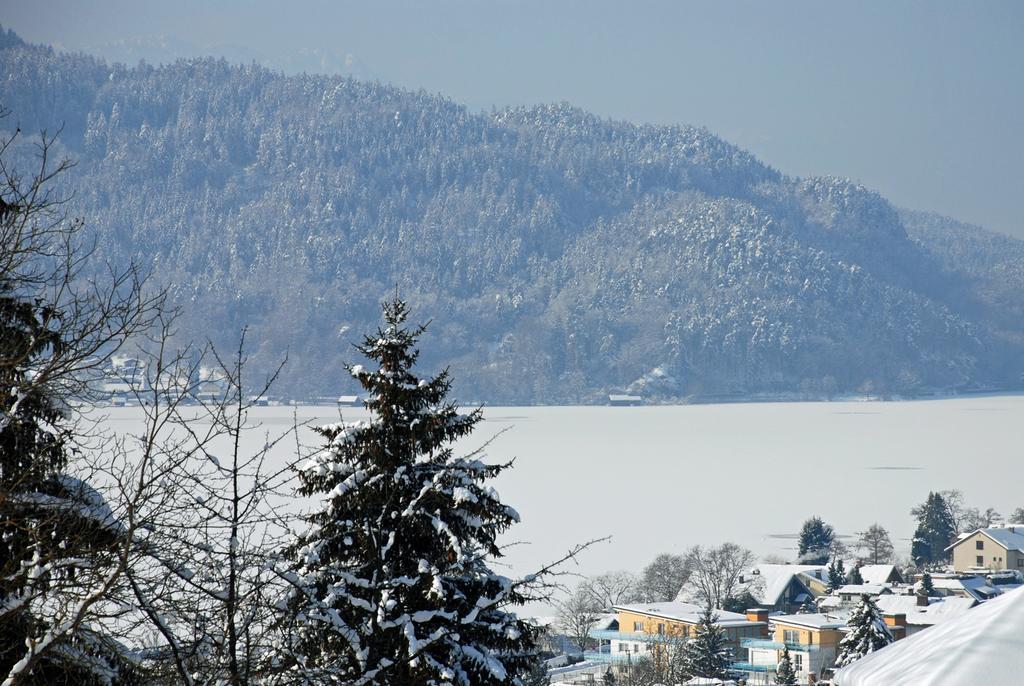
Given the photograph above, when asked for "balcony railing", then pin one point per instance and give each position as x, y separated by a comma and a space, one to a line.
608, 635
768, 644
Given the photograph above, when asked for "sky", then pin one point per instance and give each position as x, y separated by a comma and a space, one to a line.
921, 101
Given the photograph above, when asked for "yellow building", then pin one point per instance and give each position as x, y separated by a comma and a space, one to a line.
812, 640
643, 630
991, 548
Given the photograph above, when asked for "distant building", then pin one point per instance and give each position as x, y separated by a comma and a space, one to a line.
920, 612
991, 548
348, 401
619, 400
785, 588
880, 574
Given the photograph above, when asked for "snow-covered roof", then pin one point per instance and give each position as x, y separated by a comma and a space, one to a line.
938, 609
984, 645
975, 586
864, 589
769, 582
1010, 537
684, 612
876, 574
812, 621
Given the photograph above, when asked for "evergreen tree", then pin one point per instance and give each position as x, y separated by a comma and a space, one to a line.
855, 576
816, 540
609, 678
867, 634
935, 531
785, 675
707, 654
54, 529
391, 583
927, 588
836, 576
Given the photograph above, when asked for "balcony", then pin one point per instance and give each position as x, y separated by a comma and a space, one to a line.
768, 644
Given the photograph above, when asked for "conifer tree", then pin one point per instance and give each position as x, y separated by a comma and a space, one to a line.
836, 575
867, 634
391, 583
707, 654
816, 540
855, 576
785, 675
927, 588
935, 531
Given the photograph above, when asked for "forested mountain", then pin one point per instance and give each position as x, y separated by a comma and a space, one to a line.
563, 256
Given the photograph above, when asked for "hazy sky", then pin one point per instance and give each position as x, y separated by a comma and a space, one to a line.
923, 101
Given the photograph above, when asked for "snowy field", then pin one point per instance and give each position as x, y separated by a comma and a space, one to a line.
660, 479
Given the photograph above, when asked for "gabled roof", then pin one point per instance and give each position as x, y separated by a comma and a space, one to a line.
982, 645
1009, 537
878, 574
768, 582
684, 612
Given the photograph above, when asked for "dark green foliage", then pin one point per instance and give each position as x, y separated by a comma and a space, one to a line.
935, 531
867, 633
392, 581
569, 255
927, 588
854, 576
707, 654
785, 675
816, 539
836, 576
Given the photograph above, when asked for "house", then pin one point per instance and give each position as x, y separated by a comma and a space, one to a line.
348, 401
964, 586
992, 548
644, 629
784, 588
921, 612
812, 639
851, 593
981, 646
622, 400
880, 574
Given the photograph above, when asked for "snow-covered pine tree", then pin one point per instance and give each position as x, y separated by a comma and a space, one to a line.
785, 675
56, 532
391, 583
926, 588
707, 654
855, 576
867, 634
836, 576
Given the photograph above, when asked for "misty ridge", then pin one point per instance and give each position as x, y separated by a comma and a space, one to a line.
563, 256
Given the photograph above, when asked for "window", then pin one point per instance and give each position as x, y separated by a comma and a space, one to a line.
980, 560
979, 544
798, 661
661, 629
791, 636
638, 626
1020, 562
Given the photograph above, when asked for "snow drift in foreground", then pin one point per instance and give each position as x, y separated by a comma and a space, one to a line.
982, 646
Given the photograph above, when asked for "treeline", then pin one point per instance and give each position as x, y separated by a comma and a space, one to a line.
563, 256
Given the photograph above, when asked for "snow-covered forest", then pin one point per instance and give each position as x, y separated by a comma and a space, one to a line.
563, 256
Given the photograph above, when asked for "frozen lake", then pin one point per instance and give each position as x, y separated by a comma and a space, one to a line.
660, 479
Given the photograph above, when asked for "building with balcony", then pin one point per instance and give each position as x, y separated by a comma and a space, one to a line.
812, 640
647, 631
